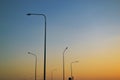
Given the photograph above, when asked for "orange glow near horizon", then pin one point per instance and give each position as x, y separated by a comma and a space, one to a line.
99, 65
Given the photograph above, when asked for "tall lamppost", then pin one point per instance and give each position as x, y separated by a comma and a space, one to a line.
35, 64
64, 63
44, 41
71, 68
52, 73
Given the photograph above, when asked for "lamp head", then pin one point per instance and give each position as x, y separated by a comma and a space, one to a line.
29, 53
66, 47
76, 61
28, 14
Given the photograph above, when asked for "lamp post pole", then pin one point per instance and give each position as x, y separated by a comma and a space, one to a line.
52, 73
44, 41
64, 63
71, 68
35, 64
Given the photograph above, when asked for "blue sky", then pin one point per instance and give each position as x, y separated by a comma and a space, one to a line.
78, 24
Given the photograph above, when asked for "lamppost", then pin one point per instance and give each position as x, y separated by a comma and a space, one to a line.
35, 64
71, 68
52, 73
64, 63
44, 41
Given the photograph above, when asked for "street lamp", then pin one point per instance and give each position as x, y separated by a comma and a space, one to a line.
35, 63
64, 63
52, 73
44, 41
71, 68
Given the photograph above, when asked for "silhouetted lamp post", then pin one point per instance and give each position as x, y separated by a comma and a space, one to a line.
52, 73
35, 64
64, 63
71, 68
44, 41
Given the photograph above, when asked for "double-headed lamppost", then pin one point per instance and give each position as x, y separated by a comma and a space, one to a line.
64, 63
44, 41
52, 73
35, 64
71, 68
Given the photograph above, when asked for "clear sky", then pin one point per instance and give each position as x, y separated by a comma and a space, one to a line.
90, 29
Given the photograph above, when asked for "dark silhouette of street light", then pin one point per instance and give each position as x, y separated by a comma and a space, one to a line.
52, 73
64, 63
35, 64
71, 68
44, 41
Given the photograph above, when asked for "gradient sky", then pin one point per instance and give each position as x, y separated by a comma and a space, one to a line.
90, 29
